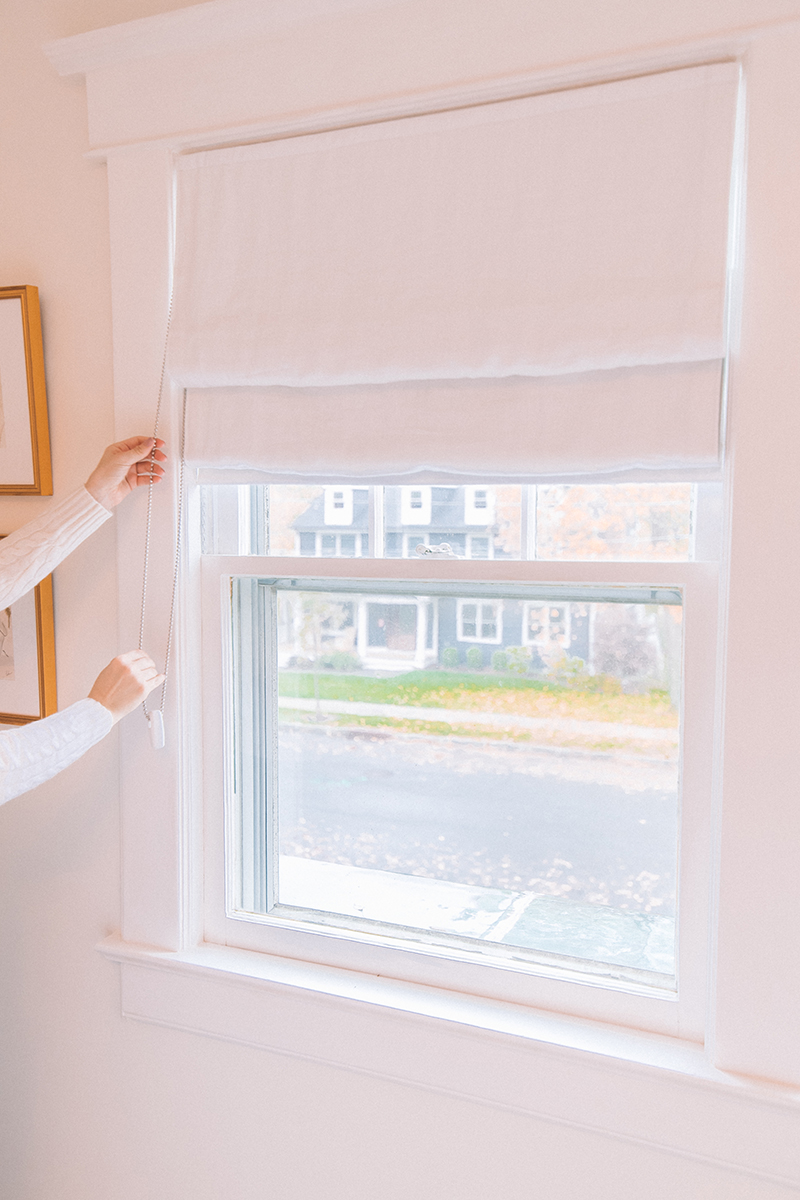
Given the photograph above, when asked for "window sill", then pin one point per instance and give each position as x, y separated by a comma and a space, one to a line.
638, 1087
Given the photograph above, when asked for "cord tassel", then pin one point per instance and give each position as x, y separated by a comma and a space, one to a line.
155, 719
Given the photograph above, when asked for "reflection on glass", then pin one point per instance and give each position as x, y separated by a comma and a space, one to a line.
613, 522
496, 769
616, 522
476, 522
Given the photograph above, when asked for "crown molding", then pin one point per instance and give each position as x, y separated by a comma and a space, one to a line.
196, 27
219, 22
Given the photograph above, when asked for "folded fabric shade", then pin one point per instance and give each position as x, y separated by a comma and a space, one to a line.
433, 276
607, 423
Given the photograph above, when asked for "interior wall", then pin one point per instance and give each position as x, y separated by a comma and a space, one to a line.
95, 1107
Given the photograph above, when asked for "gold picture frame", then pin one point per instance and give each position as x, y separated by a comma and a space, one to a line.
25, 468
28, 657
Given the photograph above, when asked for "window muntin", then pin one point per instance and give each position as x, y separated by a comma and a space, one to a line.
312, 648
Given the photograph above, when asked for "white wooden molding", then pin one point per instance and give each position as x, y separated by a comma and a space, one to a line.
199, 27
219, 22
642, 1088
444, 99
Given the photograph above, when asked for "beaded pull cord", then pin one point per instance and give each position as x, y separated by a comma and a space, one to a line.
155, 716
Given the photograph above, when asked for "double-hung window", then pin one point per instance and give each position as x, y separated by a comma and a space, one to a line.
454, 412
480, 621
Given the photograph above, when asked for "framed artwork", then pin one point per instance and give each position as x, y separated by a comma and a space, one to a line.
28, 657
24, 433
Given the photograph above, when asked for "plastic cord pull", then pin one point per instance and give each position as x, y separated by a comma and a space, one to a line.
155, 720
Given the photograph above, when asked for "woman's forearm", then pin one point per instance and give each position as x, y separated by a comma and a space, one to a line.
31, 754
31, 552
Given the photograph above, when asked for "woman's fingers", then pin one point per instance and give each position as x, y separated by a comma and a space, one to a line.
125, 682
143, 472
124, 466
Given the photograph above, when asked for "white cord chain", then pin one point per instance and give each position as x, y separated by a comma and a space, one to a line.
178, 545
178, 538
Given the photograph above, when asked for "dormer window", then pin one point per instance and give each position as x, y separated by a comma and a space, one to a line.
338, 505
415, 506
478, 506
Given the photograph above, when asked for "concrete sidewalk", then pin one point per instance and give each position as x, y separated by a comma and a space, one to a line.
464, 716
552, 924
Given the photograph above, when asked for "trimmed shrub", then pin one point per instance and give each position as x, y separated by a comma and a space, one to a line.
499, 660
475, 658
450, 657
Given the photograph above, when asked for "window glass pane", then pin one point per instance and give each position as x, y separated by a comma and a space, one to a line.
488, 622
615, 522
489, 517
290, 530
641, 522
394, 545
519, 797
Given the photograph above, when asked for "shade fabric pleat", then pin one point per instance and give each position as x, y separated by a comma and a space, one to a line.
514, 430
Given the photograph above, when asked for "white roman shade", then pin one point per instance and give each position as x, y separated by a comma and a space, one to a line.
528, 288
508, 430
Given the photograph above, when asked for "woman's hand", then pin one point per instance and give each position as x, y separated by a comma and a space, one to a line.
123, 684
124, 467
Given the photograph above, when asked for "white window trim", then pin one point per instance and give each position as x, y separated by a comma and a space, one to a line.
660, 1091
657, 1092
498, 607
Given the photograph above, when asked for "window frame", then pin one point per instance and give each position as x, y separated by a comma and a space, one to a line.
478, 637
562, 640
679, 1013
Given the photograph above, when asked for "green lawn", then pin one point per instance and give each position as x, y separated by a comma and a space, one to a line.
485, 692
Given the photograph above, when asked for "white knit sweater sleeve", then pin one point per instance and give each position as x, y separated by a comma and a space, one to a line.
30, 754
33, 753
30, 553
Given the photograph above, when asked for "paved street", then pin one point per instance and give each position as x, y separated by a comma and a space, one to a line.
596, 828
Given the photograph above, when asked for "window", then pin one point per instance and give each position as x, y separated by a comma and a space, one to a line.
478, 505
354, 808
479, 547
440, 623
415, 505
480, 621
338, 506
610, 522
548, 629
490, 769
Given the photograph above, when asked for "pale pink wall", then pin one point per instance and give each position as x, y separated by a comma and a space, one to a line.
97, 1108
